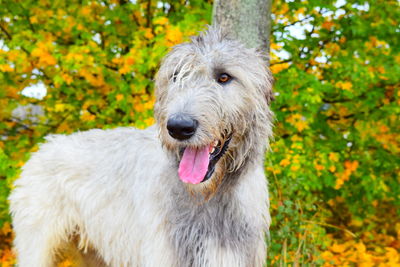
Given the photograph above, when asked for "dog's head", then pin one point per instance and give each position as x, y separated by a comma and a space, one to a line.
212, 106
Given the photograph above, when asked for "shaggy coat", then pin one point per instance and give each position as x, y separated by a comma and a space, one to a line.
117, 196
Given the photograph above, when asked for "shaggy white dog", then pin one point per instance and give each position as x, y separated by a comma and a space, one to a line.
189, 191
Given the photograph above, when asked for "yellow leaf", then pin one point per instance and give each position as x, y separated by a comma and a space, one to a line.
301, 125
119, 97
33, 19
59, 107
332, 168
333, 156
339, 183
149, 121
161, 20
275, 46
6, 68
6, 228
338, 248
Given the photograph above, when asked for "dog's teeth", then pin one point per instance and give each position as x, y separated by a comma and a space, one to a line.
212, 150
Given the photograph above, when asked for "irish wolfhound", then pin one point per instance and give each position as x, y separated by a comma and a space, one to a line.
188, 192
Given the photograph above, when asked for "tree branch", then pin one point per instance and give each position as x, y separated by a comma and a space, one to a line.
5, 32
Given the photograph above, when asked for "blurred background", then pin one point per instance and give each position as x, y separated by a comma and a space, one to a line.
334, 165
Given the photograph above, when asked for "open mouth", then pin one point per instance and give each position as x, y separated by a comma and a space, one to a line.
197, 165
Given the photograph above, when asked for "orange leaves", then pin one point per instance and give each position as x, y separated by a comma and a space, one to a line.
332, 48
319, 167
6, 68
298, 121
64, 128
375, 43
276, 68
87, 116
148, 33
85, 11
66, 263
174, 35
7, 256
33, 19
275, 46
149, 121
43, 53
350, 253
119, 97
47, 59
283, 9
285, 162
344, 85
95, 78
124, 69
349, 168
382, 133
126, 63
327, 25
336, 248
76, 57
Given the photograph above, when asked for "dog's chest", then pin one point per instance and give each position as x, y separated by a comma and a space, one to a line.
200, 234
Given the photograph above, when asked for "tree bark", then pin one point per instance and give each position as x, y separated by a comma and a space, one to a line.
247, 20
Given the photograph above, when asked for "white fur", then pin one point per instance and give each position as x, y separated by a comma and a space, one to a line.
107, 186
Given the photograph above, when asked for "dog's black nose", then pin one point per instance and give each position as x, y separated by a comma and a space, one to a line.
181, 126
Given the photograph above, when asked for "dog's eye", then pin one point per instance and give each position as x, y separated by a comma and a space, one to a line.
224, 78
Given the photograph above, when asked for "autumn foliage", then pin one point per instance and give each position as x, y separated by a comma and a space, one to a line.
334, 164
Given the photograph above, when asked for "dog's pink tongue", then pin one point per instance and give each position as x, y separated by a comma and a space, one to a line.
194, 164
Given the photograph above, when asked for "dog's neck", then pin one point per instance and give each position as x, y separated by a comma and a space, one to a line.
195, 221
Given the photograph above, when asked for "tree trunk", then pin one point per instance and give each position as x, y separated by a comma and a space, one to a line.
247, 20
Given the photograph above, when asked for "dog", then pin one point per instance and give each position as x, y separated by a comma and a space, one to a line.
189, 191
